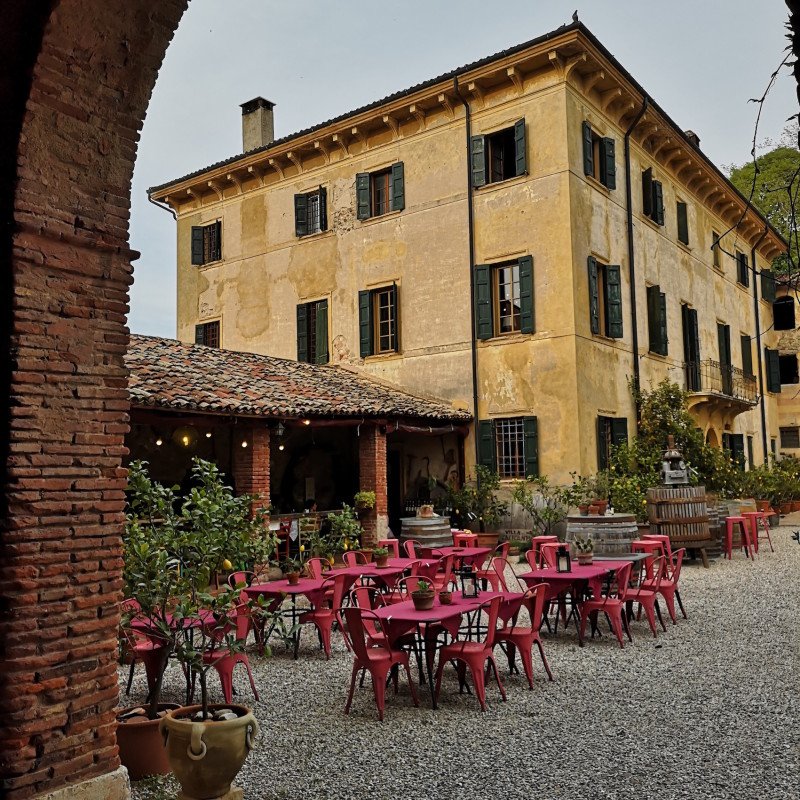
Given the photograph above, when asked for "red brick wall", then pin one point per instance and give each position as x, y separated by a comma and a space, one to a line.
372, 478
251, 463
60, 544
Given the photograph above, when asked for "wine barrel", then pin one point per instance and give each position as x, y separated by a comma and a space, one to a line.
680, 512
611, 535
428, 531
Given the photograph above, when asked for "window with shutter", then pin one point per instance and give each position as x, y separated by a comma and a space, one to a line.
511, 437
613, 301
520, 148
725, 363
773, 369
398, 187
302, 332
312, 332
478, 160
363, 202
647, 192
378, 193
380, 190
504, 301
484, 326
365, 323
379, 321
783, 314
767, 286
608, 171
657, 320
611, 432
683, 222
321, 333
747, 354
197, 245
486, 445
658, 203
499, 156
206, 243
594, 296
588, 149
788, 368
530, 427
742, 269
207, 334
599, 158
790, 438
526, 309
300, 214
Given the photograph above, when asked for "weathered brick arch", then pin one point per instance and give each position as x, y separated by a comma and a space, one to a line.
75, 80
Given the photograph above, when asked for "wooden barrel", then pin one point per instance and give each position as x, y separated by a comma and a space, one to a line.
612, 535
680, 512
428, 531
717, 532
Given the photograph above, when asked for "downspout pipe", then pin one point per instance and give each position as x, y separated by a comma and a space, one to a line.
631, 259
471, 238
758, 344
164, 206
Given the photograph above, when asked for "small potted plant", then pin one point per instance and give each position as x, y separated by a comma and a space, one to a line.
445, 597
364, 500
345, 532
423, 596
602, 489
584, 548
291, 568
380, 556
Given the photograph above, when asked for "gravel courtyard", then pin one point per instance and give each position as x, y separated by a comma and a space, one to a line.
708, 710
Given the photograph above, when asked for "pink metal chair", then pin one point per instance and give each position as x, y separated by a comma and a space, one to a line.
242, 577
537, 542
317, 567
392, 545
322, 616
353, 558
660, 537
369, 598
646, 595
494, 574
402, 589
612, 605
378, 660
668, 587
474, 655
410, 545
548, 552
652, 549
523, 637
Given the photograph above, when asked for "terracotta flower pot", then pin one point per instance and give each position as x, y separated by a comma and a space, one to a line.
602, 505
381, 561
141, 748
293, 578
445, 598
206, 756
584, 510
594, 510
423, 601
584, 559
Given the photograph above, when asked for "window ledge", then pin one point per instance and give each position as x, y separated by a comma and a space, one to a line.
597, 184
315, 235
208, 264
505, 338
488, 187
659, 356
381, 218
383, 357
652, 223
684, 247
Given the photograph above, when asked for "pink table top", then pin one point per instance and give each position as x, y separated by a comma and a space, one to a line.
277, 588
369, 571
576, 573
143, 623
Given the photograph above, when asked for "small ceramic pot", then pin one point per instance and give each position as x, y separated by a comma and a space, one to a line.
423, 601
445, 598
584, 559
293, 578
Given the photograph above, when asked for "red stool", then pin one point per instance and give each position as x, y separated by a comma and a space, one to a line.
392, 545
654, 549
666, 544
464, 539
746, 542
536, 544
755, 517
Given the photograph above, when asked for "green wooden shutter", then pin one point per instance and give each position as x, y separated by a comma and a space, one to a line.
530, 429
662, 328
683, 223
594, 297
365, 323
199, 334
773, 363
302, 332
647, 192
726, 373
619, 431
217, 241
396, 318
398, 187
478, 160
484, 327
767, 285
321, 333
613, 294
658, 202
527, 319
603, 441
747, 354
323, 208
197, 245
588, 150
487, 452
742, 269
694, 344
609, 163
362, 195
520, 148
300, 214
652, 318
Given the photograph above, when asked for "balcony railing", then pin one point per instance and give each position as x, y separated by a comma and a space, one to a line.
712, 377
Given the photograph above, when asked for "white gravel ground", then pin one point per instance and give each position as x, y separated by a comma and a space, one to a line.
708, 710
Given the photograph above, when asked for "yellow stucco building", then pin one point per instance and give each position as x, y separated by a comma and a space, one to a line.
519, 238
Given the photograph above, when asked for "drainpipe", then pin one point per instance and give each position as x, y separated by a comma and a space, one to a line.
631, 262
758, 345
471, 234
165, 207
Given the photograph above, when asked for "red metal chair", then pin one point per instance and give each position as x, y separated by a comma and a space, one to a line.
223, 660
646, 595
392, 545
317, 567
548, 552
377, 660
537, 542
352, 558
494, 574
409, 546
147, 649
369, 598
242, 577
652, 549
666, 544
523, 637
534, 558
323, 615
668, 587
745, 543
402, 589
473, 655
612, 605
282, 546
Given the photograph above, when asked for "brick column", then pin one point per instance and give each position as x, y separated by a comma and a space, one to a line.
372, 478
251, 463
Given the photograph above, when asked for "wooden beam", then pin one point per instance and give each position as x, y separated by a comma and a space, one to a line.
475, 90
257, 172
592, 79
515, 76
359, 136
234, 179
277, 166
318, 145
418, 113
607, 99
294, 157
341, 140
392, 124
447, 104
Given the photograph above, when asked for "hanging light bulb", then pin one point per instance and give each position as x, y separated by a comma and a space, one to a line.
244, 443
281, 447
306, 422
159, 442
208, 434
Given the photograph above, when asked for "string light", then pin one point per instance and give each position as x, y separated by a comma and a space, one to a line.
306, 422
208, 434
281, 447
159, 442
244, 443
185, 440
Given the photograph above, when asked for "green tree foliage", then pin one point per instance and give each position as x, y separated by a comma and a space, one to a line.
776, 193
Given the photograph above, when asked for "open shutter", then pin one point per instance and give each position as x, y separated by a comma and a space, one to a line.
197, 245
302, 332
613, 301
484, 328
594, 297
773, 363
530, 429
527, 320
323, 208
658, 202
217, 243
603, 441
747, 354
199, 334
694, 344
724, 338
300, 214
520, 148
663, 339
321, 333
365, 323
487, 453
398, 187
396, 318
683, 223
652, 318
619, 431
609, 165
767, 285
742, 270
362, 195
478, 160
647, 192
588, 150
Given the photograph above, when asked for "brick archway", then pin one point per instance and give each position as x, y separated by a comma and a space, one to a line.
75, 80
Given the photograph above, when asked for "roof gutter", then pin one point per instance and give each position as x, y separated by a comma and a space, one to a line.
631, 257
471, 239
758, 344
164, 206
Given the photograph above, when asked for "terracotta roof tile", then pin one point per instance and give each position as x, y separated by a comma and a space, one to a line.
165, 373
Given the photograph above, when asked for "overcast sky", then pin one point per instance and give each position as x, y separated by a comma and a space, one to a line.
701, 60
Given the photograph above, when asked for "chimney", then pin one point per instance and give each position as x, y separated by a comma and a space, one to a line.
693, 138
258, 126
